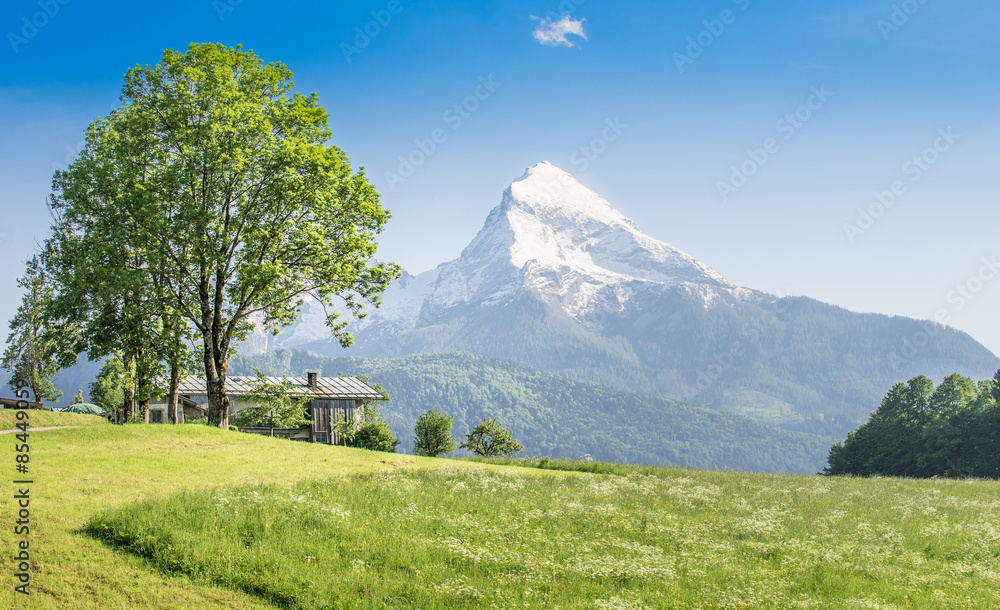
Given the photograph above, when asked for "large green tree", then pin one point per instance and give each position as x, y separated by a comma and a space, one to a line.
235, 208
33, 346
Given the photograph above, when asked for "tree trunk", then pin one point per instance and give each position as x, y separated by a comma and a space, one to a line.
128, 390
143, 384
218, 402
128, 410
175, 380
215, 381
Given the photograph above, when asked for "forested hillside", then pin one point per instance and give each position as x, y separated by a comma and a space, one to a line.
561, 417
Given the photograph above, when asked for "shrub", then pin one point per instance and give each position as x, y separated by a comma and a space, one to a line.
490, 439
433, 434
376, 436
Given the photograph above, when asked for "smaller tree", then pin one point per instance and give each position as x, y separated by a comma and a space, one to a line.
490, 439
78, 399
996, 387
271, 403
108, 390
376, 436
372, 408
33, 347
345, 428
433, 434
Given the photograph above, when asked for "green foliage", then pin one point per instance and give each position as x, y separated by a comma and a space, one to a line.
372, 408
564, 417
270, 404
952, 430
432, 433
34, 346
78, 399
108, 390
491, 439
345, 428
375, 436
212, 195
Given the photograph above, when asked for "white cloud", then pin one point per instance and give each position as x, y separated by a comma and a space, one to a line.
553, 33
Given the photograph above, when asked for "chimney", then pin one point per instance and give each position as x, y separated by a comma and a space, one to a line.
311, 376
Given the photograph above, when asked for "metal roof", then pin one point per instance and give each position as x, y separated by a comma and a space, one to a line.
335, 388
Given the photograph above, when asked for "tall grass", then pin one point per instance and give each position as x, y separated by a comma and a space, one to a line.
465, 535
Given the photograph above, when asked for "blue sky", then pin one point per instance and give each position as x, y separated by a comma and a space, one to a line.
695, 89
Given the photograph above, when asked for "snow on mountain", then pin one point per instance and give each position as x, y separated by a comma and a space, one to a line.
552, 235
549, 235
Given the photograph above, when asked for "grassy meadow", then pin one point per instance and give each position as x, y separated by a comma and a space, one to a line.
193, 517
44, 419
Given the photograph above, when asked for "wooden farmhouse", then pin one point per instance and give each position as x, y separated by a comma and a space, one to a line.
327, 399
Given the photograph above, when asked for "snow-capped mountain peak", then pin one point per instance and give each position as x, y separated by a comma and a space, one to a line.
549, 236
552, 235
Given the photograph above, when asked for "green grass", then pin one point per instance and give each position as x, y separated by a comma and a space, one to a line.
218, 519
43, 419
564, 465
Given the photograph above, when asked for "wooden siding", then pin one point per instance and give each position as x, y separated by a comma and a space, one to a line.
324, 415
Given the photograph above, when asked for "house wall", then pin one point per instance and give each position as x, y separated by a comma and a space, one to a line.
161, 407
324, 413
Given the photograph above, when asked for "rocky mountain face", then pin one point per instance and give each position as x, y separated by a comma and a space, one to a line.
560, 280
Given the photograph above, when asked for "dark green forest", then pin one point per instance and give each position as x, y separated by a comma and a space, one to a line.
952, 430
561, 417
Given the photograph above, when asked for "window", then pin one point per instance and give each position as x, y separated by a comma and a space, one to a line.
155, 416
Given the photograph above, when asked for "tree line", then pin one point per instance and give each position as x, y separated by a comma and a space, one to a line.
952, 430
208, 203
